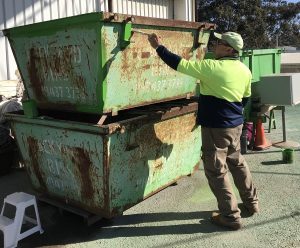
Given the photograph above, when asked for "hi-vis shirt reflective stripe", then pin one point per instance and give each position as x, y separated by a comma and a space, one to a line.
227, 79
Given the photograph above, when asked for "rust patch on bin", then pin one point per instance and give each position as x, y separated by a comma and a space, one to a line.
125, 67
54, 64
82, 161
108, 17
33, 154
106, 162
34, 76
132, 69
145, 55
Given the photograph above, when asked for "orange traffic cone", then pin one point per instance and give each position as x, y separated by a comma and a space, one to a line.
261, 143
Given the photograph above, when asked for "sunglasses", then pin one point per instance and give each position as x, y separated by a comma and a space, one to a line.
220, 42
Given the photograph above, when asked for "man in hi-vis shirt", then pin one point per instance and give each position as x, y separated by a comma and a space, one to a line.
225, 86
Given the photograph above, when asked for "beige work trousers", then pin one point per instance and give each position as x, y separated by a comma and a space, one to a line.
220, 152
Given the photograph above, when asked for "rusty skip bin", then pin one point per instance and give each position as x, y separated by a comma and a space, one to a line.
106, 169
101, 62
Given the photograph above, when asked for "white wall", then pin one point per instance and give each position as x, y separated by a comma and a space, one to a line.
290, 58
150, 8
22, 12
184, 10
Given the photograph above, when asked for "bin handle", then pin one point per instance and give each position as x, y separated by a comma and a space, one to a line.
126, 32
140, 32
198, 38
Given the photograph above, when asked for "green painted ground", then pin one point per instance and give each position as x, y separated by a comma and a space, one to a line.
178, 216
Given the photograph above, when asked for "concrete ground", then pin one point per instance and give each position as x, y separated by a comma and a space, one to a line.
179, 215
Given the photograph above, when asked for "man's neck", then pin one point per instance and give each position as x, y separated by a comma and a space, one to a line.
231, 57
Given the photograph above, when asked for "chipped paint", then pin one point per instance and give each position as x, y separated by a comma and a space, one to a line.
106, 172
82, 65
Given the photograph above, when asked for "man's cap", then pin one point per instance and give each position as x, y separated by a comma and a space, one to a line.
235, 40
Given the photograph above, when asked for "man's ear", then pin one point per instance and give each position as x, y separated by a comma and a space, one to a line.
230, 50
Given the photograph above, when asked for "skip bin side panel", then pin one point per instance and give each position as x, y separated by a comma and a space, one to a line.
88, 63
63, 164
137, 76
150, 156
262, 62
59, 66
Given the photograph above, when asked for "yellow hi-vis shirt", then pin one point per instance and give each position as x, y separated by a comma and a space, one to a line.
223, 85
227, 79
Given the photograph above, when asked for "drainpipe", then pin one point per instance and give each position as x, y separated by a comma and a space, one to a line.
110, 6
196, 11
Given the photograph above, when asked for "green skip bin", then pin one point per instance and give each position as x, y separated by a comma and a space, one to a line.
102, 62
106, 169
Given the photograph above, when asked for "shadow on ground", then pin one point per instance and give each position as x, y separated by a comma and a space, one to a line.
75, 232
69, 228
275, 162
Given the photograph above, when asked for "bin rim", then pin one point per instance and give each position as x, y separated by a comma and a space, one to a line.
110, 128
151, 21
260, 51
109, 17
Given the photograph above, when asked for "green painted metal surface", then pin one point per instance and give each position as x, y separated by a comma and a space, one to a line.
96, 63
107, 169
261, 62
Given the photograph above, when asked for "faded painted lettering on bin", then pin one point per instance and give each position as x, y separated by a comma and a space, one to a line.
56, 169
52, 57
63, 92
56, 68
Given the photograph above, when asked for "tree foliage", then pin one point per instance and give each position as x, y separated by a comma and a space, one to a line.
259, 22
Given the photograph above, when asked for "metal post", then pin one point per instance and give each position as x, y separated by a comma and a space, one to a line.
283, 123
285, 143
